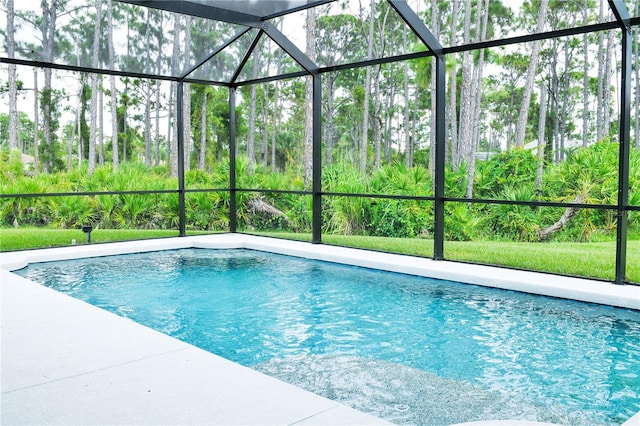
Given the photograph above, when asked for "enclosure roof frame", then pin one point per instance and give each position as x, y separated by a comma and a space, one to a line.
417, 25
621, 13
200, 10
215, 10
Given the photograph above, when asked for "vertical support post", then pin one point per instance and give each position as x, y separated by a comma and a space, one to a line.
438, 208
317, 160
233, 218
623, 160
180, 154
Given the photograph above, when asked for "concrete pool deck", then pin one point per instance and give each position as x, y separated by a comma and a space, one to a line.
67, 362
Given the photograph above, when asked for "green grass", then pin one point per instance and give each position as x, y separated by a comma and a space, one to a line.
28, 238
595, 260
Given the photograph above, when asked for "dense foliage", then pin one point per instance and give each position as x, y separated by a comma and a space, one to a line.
589, 175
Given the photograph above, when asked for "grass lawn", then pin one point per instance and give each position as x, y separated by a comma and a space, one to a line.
29, 238
596, 260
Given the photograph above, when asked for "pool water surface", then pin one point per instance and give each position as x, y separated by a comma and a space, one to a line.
408, 349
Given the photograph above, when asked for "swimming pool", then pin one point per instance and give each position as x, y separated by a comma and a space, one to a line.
408, 349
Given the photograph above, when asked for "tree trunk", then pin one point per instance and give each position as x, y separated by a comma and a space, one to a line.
114, 96
174, 145
36, 122
264, 149
388, 150
147, 96
13, 84
274, 119
477, 99
48, 31
414, 125
541, 138
160, 39
364, 145
453, 90
608, 71
565, 100
101, 123
569, 213
354, 133
124, 127
637, 62
521, 128
601, 71
251, 137
175, 58
466, 92
170, 126
276, 113
75, 131
329, 83
432, 133
585, 79
186, 103
79, 122
156, 151
94, 90
147, 124
203, 129
377, 120
554, 101
408, 160
308, 101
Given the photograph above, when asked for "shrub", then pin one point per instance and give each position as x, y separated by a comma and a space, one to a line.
399, 218
461, 224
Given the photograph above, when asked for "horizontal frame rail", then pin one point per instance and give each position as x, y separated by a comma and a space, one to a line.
89, 193
328, 194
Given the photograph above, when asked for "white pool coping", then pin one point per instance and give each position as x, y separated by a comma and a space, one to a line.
67, 362
586, 290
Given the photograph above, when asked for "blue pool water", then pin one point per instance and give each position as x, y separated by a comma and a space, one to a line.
408, 349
